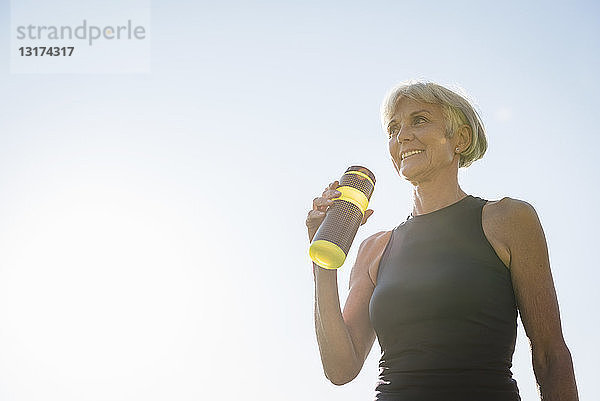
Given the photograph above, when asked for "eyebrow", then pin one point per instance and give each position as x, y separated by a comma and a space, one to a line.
420, 111
411, 114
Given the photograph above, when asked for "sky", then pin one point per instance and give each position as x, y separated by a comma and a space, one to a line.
153, 194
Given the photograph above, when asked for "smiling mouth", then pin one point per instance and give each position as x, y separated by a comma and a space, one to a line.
409, 154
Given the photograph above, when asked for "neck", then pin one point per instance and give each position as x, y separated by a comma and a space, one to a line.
436, 193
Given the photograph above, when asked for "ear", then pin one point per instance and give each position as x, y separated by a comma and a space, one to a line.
464, 136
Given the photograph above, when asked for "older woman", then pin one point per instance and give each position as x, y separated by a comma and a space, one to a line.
441, 290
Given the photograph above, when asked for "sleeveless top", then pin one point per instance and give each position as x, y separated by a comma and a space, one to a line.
444, 311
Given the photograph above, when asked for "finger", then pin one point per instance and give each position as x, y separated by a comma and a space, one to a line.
315, 215
368, 213
321, 203
314, 218
332, 193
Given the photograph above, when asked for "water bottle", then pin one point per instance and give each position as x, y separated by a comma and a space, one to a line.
334, 237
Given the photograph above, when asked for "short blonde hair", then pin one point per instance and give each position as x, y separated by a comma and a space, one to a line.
457, 110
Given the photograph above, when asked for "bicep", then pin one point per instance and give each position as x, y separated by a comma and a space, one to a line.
532, 280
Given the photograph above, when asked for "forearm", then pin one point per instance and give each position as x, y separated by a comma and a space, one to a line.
555, 376
338, 353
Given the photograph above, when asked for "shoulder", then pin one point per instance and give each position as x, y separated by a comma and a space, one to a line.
373, 245
510, 212
375, 240
510, 222
369, 255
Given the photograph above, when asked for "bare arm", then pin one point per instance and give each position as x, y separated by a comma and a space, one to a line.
537, 302
344, 339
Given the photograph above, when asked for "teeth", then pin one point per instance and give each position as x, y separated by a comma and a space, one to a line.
413, 152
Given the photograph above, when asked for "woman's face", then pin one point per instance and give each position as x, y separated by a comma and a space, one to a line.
420, 126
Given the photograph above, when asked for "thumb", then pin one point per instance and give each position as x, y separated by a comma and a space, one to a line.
368, 213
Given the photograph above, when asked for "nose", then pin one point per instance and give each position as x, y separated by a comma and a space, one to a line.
402, 135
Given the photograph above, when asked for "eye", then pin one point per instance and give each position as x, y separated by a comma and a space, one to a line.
392, 131
419, 120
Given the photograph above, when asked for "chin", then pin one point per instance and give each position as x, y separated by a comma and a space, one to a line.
409, 174
406, 172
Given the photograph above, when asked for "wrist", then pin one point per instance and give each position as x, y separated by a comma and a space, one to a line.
322, 272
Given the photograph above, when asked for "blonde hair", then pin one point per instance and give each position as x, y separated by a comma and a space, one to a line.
457, 110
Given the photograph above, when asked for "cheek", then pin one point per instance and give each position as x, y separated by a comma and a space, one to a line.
444, 146
393, 149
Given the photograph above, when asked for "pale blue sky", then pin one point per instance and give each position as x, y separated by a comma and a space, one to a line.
152, 238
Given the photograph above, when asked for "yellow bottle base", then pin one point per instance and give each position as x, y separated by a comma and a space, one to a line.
326, 254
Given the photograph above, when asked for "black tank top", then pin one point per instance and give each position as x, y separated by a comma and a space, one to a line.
444, 311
